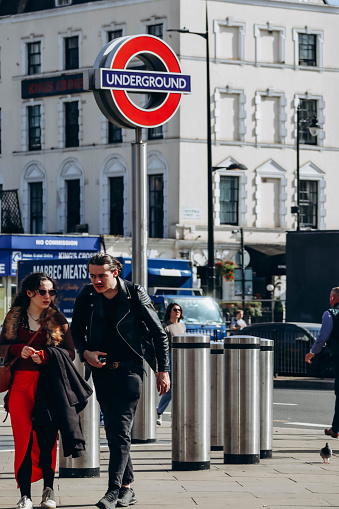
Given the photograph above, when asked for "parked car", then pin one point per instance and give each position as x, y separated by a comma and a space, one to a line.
292, 340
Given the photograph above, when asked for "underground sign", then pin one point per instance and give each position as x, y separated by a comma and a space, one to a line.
130, 69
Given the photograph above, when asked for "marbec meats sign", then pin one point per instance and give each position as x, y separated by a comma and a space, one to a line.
114, 77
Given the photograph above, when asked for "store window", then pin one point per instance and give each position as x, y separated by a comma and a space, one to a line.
34, 57
116, 205
71, 124
34, 127
72, 52
36, 207
156, 206
73, 204
229, 199
309, 204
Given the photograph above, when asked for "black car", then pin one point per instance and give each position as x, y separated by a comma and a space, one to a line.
291, 343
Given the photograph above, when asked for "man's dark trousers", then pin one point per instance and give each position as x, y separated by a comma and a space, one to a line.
335, 423
118, 392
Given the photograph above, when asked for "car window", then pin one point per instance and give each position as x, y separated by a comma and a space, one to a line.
199, 311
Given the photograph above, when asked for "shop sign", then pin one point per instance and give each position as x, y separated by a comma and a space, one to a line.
70, 277
57, 85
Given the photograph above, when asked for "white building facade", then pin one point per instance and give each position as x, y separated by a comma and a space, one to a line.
73, 169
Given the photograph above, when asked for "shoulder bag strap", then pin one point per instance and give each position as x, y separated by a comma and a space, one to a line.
10, 364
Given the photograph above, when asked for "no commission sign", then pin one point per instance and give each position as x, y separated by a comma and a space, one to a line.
137, 81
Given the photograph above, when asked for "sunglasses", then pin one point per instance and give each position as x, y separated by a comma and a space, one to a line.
176, 309
51, 293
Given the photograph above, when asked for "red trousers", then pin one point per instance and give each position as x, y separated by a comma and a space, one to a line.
21, 404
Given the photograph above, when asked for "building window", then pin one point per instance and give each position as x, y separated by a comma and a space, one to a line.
309, 204
308, 49
60, 3
72, 124
114, 34
155, 133
34, 128
229, 39
34, 58
73, 204
156, 206
36, 207
114, 133
308, 109
116, 192
270, 43
157, 30
229, 200
72, 52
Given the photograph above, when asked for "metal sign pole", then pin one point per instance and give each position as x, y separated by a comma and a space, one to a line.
144, 426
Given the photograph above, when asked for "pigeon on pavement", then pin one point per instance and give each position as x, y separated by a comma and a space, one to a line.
326, 453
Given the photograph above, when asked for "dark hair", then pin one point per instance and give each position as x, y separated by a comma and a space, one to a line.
32, 283
169, 309
103, 259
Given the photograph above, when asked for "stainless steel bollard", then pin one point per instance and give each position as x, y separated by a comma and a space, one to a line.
191, 406
144, 424
88, 465
217, 395
266, 397
242, 400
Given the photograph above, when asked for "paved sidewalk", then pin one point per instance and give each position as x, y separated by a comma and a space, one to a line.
295, 477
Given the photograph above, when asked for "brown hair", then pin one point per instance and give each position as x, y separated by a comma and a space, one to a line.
169, 309
106, 259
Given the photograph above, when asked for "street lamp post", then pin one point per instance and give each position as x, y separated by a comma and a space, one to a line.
314, 128
210, 237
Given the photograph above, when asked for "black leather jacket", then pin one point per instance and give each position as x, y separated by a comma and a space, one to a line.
88, 326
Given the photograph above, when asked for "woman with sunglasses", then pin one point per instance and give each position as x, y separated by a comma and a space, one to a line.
172, 327
33, 310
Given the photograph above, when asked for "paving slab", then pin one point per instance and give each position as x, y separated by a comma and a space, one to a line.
295, 477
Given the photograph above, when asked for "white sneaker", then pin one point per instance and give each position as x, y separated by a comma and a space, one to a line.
25, 503
159, 419
48, 500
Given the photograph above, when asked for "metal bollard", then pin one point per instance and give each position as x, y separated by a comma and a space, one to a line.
191, 406
88, 465
144, 424
266, 397
217, 395
242, 400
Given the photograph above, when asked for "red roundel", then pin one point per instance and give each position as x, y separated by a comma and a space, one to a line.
163, 57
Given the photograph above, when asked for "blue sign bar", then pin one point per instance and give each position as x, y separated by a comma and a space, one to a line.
145, 81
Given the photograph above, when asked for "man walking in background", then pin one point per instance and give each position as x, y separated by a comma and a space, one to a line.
329, 334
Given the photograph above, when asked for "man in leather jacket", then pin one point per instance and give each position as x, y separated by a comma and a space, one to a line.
108, 330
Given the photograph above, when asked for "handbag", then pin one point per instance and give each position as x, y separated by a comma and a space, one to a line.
5, 371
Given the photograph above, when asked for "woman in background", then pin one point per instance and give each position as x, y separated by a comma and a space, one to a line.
172, 327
